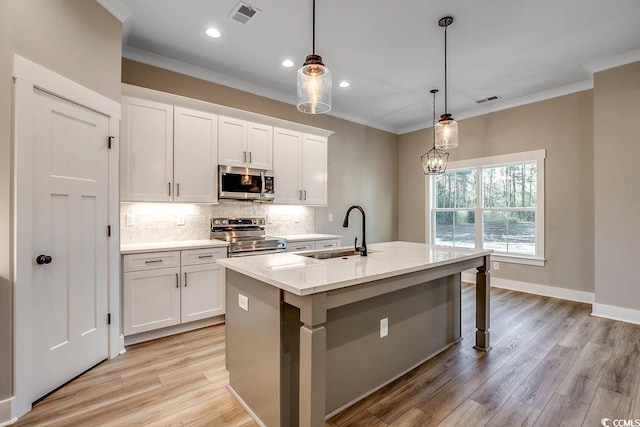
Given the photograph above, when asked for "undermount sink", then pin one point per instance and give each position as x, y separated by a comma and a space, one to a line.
332, 254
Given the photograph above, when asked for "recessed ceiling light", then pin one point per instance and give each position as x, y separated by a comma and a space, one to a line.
287, 63
213, 33
344, 84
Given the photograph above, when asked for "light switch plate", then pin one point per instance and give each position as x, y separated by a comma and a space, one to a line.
384, 327
243, 302
496, 265
129, 219
330, 217
180, 219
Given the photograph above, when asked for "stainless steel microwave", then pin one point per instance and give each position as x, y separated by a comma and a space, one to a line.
245, 184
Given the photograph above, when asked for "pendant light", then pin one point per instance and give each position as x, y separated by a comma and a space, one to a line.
447, 128
434, 161
314, 81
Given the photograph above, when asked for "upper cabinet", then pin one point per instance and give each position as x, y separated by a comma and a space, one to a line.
245, 144
167, 154
300, 167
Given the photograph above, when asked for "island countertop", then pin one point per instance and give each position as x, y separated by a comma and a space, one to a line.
303, 275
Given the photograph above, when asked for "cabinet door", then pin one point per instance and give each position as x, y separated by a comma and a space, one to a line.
151, 299
232, 141
146, 151
287, 167
195, 156
260, 146
202, 291
314, 170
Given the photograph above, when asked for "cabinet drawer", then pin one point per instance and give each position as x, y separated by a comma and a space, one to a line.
326, 244
151, 260
202, 256
301, 246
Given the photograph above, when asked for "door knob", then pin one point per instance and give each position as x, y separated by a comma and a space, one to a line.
43, 259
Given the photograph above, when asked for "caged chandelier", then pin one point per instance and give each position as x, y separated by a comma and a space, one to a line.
447, 128
434, 161
314, 81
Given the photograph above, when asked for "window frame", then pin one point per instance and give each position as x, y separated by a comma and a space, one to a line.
537, 156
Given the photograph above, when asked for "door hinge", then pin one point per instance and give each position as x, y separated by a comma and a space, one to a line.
111, 138
108, 318
108, 231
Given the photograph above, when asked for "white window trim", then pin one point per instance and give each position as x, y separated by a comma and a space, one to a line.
536, 155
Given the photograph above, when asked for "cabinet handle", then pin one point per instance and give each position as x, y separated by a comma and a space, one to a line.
244, 159
177, 189
301, 247
205, 256
169, 188
305, 194
249, 156
328, 245
185, 280
299, 194
152, 261
177, 281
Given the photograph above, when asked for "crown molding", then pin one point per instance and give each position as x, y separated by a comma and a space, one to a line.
512, 103
613, 61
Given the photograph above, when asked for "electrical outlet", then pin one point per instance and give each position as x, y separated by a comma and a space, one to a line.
496, 265
129, 219
296, 218
180, 219
330, 217
384, 327
269, 219
243, 302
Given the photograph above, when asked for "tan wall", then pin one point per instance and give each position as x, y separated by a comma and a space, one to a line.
617, 199
6, 53
362, 160
77, 39
564, 127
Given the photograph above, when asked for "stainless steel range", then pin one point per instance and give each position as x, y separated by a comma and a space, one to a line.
246, 236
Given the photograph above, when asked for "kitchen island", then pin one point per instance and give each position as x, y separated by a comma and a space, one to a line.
308, 337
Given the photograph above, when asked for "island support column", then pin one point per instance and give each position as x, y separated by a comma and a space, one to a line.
313, 350
483, 297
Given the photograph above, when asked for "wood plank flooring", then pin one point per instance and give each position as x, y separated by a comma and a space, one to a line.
551, 365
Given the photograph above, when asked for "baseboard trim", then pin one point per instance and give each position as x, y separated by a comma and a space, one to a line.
245, 406
7, 411
172, 330
533, 288
616, 313
122, 349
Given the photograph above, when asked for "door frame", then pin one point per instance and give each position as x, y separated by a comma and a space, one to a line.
27, 76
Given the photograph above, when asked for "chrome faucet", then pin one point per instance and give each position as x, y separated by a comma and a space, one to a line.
345, 224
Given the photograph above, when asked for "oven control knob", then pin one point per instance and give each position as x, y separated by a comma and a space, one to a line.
261, 221
217, 222
224, 221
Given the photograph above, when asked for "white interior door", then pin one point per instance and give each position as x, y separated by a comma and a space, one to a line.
70, 207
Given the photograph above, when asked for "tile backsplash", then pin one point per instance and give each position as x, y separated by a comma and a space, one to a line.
157, 222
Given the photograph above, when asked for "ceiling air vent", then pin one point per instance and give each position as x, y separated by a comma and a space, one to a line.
491, 98
243, 12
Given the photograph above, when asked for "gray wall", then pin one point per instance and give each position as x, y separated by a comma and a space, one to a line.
617, 174
362, 161
5, 201
77, 39
564, 127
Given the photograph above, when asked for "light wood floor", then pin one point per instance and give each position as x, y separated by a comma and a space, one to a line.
551, 365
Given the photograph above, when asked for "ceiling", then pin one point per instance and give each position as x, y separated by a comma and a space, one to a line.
392, 52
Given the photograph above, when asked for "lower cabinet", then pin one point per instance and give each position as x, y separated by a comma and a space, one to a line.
309, 245
168, 288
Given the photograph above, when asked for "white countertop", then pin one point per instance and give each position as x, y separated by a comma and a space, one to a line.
133, 248
314, 236
304, 276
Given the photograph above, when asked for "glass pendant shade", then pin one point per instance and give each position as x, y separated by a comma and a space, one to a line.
446, 132
434, 162
314, 86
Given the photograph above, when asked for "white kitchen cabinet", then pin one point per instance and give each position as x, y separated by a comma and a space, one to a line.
195, 154
164, 289
309, 245
300, 167
146, 151
167, 154
245, 144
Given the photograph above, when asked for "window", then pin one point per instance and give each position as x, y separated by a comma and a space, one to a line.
491, 203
